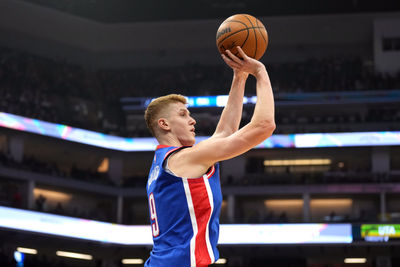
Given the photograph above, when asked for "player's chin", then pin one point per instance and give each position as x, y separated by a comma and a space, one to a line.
193, 141
189, 141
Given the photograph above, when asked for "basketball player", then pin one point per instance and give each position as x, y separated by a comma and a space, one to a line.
183, 187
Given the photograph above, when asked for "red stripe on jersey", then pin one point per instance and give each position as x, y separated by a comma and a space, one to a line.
202, 210
161, 146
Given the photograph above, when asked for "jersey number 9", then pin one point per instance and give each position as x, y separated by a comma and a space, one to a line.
153, 216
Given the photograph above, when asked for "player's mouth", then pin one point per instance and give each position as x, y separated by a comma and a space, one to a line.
193, 131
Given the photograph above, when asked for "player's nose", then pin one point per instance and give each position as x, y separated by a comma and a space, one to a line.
192, 121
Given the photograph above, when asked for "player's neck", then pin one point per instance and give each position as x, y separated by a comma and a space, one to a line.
168, 140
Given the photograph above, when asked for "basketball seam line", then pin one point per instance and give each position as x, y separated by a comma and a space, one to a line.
262, 35
239, 31
255, 35
238, 21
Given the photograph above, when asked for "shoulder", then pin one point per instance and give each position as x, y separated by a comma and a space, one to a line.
207, 151
190, 162
203, 148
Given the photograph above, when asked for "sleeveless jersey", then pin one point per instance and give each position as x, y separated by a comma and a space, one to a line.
184, 215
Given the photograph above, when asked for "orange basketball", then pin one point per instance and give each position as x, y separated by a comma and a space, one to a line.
245, 31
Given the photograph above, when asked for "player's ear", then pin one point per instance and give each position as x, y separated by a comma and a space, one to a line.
163, 124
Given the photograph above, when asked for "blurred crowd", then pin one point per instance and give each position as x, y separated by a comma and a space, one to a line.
13, 193
65, 93
384, 118
30, 163
355, 176
255, 175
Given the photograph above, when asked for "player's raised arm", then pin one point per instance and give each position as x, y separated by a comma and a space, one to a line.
231, 115
199, 157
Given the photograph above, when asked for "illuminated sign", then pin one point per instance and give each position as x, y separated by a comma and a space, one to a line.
380, 232
310, 140
230, 234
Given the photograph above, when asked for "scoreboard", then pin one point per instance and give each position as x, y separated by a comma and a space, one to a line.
380, 232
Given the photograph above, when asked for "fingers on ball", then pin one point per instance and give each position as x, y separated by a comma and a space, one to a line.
234, 57
241, 52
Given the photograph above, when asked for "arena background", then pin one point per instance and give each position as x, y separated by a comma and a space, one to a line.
70, 66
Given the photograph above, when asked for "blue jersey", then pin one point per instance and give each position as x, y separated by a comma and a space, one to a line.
184, 215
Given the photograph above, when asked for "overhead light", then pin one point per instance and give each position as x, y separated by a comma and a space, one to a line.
297, 162
104, 165
331, 202
74, 255
27, 250
279, 203
52, 195
132, 261
220, 261
355, 260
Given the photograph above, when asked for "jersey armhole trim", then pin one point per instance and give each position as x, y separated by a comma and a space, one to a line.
210, 173
162, 146
172, 151
206, 175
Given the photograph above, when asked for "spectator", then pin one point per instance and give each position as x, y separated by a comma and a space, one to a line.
40, 203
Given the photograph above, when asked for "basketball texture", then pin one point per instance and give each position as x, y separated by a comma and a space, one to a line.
245, 31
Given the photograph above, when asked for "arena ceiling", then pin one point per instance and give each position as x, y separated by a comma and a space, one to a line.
110, 11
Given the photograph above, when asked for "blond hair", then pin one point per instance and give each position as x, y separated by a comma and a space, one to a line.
155, 108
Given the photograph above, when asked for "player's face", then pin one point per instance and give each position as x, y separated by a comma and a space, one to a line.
182, 124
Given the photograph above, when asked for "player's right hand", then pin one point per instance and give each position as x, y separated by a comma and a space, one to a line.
246, 64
